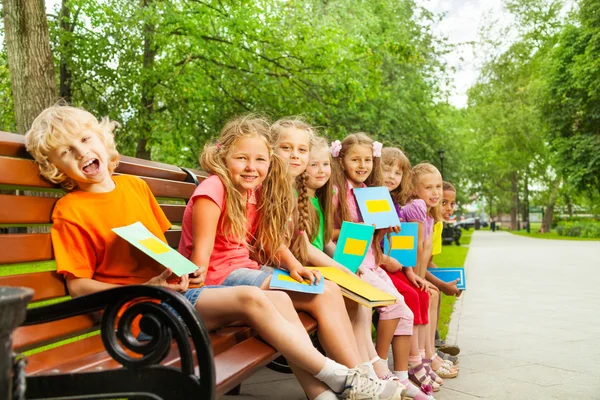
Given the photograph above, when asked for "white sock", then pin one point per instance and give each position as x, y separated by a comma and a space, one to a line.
327, 395
327, 375
403, 375
371, 370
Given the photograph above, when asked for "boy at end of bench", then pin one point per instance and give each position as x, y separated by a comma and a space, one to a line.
74, 149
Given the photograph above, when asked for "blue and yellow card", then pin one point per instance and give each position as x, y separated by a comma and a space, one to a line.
141, 238
353, 244
451, 274
283, 281
376, 206
403, 245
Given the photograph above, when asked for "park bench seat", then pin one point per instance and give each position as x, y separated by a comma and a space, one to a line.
26, 260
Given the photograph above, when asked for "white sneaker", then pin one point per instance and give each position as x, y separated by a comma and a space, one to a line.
360, 386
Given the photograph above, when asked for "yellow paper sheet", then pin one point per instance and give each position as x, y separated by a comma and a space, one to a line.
375, 206
403, 243
355, 247
154, 245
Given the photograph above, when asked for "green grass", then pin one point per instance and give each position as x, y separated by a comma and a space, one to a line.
451, 256
552, 235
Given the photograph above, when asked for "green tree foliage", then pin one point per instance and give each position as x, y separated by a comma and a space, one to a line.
173, 72
572, 101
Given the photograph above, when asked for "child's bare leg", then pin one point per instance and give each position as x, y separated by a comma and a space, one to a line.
401, 349
219, 307
335, 330
360, 317
385, 334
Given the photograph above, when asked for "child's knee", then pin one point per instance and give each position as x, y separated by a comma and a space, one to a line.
282, 299
332, 289
253, 299
433, 297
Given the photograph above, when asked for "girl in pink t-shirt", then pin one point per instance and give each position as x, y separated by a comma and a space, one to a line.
239, 219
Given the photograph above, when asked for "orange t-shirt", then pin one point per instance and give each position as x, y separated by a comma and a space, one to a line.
86, 247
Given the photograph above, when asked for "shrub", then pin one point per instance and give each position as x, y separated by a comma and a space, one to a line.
585, 229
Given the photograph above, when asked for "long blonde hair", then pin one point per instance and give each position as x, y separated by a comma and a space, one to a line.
276, 198
392, 157
417, 171
301, 215
308, 219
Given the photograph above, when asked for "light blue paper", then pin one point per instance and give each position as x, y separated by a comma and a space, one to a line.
380, 194
281, 280
408, 258
343, 250
451, 274
170, 258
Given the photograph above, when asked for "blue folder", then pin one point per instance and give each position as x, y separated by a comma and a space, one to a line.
403, 245
353, 244
376, 206
283, 281
451, 274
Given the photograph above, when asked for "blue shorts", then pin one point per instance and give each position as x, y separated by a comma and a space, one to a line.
248, 277
191, 295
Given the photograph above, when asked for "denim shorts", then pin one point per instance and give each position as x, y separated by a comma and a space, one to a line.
191, 295
248, 277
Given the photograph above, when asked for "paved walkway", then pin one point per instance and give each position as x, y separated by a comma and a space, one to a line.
528, 327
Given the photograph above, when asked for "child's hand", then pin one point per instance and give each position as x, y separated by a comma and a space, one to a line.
301, 273
161, 280
417, 281
450, 289
197, 277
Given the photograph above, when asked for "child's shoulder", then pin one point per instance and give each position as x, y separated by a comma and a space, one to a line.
414, 210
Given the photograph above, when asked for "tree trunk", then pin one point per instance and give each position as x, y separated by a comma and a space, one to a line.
66, 27
143, 151
32, 76
515, 202
549, 209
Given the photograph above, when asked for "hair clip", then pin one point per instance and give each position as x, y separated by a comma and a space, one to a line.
336, 147
218, 145
377, 149
300, 232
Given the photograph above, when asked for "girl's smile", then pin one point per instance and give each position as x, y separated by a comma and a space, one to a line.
429, 188
358, 164
248, 162
294, 147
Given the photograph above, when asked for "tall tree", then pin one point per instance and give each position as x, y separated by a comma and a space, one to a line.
32, 74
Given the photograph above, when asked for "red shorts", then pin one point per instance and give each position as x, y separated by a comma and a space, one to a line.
417, 300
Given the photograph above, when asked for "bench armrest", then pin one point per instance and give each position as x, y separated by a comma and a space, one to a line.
121, 306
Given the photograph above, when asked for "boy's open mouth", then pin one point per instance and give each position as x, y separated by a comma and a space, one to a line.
91, 166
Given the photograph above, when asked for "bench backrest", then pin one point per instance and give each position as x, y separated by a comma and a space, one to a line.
26, 257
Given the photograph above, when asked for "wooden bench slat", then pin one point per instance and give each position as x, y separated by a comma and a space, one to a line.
139, 167
31, 337
164, 188
47, 285
173, 212
12, 145
240, 362
25, 247
173, 237
26, 209
20, 172
89, 353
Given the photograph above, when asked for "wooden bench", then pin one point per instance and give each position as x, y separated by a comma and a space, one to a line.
26, 259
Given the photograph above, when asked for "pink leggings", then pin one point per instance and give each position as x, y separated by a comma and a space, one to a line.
378, 277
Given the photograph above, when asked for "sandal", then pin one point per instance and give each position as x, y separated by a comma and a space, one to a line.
446, 373
448, 357
419, 376
429, 369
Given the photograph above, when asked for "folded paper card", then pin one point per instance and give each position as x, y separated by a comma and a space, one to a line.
355, 289
353, 244
451, 274
403, 245
282, 280
141, 238
376, 207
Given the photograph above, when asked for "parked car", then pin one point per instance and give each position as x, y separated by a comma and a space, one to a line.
469, 223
